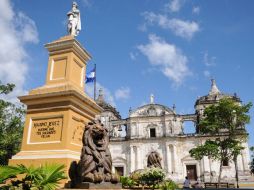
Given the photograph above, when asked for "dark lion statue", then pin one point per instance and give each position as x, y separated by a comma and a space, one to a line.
95, 161
154, 160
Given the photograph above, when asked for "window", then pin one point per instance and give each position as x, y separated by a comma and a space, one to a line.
225, 162
152, 132
119, 170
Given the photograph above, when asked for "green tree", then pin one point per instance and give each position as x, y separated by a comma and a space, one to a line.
11, 125
225, 121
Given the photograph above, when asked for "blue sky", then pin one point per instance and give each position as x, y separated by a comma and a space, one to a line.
170, 48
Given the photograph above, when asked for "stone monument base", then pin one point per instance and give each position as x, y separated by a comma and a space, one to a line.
103, 185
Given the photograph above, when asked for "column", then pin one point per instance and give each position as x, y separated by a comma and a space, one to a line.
239, 162
246, 157
206, 169
175, 162
206, 164
168, 161
132, 159
138, 158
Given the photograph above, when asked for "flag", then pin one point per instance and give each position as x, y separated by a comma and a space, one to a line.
90, 77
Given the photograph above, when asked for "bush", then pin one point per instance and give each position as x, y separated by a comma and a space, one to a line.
169, 185
152, 177
46, 177
127, 182
135, 176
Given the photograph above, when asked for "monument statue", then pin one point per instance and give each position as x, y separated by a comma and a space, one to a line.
154, 160
95, 161
74, 21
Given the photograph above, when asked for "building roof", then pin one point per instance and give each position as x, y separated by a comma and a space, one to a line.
151, 109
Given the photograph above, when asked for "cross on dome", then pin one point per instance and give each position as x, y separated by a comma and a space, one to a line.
151, 99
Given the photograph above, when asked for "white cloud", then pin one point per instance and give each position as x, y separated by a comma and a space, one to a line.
174, 5
16, 30
196, 10
207, 74
142, 27
171, 61
109, 98
209, 60
133, 56
87, 3
183, 28
122, 93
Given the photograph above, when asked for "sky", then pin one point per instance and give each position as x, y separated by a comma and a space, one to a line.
168, 48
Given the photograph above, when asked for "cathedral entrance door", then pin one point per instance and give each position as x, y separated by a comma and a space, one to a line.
119, 170
191, 172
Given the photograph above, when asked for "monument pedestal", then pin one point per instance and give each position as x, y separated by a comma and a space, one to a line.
58, 111
103, 185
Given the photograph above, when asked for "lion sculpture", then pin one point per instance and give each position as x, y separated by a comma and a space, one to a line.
154, 160
95, 161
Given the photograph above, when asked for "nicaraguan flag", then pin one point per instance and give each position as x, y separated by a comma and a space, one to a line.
90, 77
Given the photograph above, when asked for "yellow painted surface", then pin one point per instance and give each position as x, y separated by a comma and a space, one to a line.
58, 111
242, 185
58, 70
67, 62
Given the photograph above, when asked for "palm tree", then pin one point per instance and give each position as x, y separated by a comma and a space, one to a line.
45, 177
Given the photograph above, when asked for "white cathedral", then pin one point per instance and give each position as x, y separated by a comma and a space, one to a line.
158, 128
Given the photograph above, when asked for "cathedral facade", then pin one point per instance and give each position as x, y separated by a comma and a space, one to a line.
158, 128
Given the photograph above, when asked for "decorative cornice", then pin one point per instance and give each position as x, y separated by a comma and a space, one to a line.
67, 44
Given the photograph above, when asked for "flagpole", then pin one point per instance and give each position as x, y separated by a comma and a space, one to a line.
94, 93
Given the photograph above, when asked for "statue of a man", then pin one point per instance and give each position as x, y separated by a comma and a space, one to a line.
74, 21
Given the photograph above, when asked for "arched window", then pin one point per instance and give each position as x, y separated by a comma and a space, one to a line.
152, 130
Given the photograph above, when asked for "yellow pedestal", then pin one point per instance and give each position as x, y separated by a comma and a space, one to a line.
58, 111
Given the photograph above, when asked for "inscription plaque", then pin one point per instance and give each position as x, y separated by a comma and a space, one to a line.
46, 130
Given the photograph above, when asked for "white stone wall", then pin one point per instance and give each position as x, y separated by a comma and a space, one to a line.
139, 128
132, 155
171, 144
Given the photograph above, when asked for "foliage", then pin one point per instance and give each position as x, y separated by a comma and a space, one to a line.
11, 126
127, 181
5, 89
136, 175
225, 121
148, 177
226, 116
152, 176
44, 177
210, 148
169, 185
218, 149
